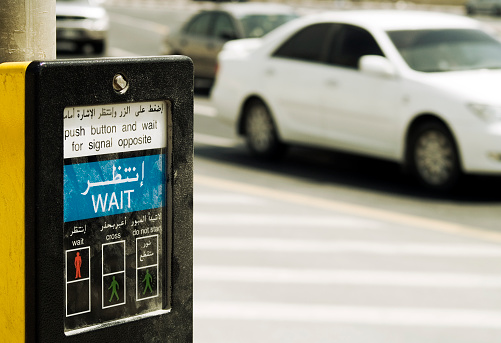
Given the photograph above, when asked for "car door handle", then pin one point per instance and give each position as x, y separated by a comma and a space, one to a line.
269, 72
332, 83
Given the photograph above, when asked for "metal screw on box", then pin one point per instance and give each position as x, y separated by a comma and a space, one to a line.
120, 83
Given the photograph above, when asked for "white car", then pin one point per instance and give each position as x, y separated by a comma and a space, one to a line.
81, 23
419, 88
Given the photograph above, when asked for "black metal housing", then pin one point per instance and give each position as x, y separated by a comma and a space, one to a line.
50, 87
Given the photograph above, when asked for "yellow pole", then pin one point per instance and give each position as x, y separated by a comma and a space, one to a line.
28, 33
12, 204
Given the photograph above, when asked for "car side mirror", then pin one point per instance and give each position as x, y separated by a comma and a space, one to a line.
377, 65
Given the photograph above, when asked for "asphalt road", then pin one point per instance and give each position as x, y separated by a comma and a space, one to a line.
327, 247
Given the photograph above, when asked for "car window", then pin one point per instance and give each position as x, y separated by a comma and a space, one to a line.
447, 49
199, 25
351, 43
307, 44
257, 25
224, 27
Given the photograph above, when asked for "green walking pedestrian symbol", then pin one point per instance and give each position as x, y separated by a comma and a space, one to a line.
147, 278
114, 285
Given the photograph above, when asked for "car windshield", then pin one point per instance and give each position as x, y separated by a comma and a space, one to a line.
447, 49
257, 25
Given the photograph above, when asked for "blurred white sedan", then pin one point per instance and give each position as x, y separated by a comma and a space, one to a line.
81, 23
419, 88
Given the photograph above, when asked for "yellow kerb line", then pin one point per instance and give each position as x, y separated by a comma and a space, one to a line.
352, 209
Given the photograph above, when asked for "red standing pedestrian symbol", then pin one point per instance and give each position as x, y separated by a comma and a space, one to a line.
78, 264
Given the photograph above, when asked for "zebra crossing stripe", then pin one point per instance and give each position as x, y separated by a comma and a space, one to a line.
349, 209
246, 219
340, 246
269, 275
401, 316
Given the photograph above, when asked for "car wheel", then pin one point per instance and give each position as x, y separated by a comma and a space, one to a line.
433, 156
260, 131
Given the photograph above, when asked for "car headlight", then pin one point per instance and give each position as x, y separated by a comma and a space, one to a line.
487, 113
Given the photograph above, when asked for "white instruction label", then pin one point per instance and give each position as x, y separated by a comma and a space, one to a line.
116, 128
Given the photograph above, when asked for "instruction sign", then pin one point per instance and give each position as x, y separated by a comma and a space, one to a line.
99, 130
115, 167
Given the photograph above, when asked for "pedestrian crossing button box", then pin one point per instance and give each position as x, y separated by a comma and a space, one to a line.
108, 170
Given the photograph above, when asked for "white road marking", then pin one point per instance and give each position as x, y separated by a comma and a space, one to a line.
349, 209
226, 198
138, 23
214, 140
204, 110
246, 219
268, 275
402, 316
339, 246
117, 52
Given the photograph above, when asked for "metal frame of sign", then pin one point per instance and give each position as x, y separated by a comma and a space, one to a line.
53, 86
